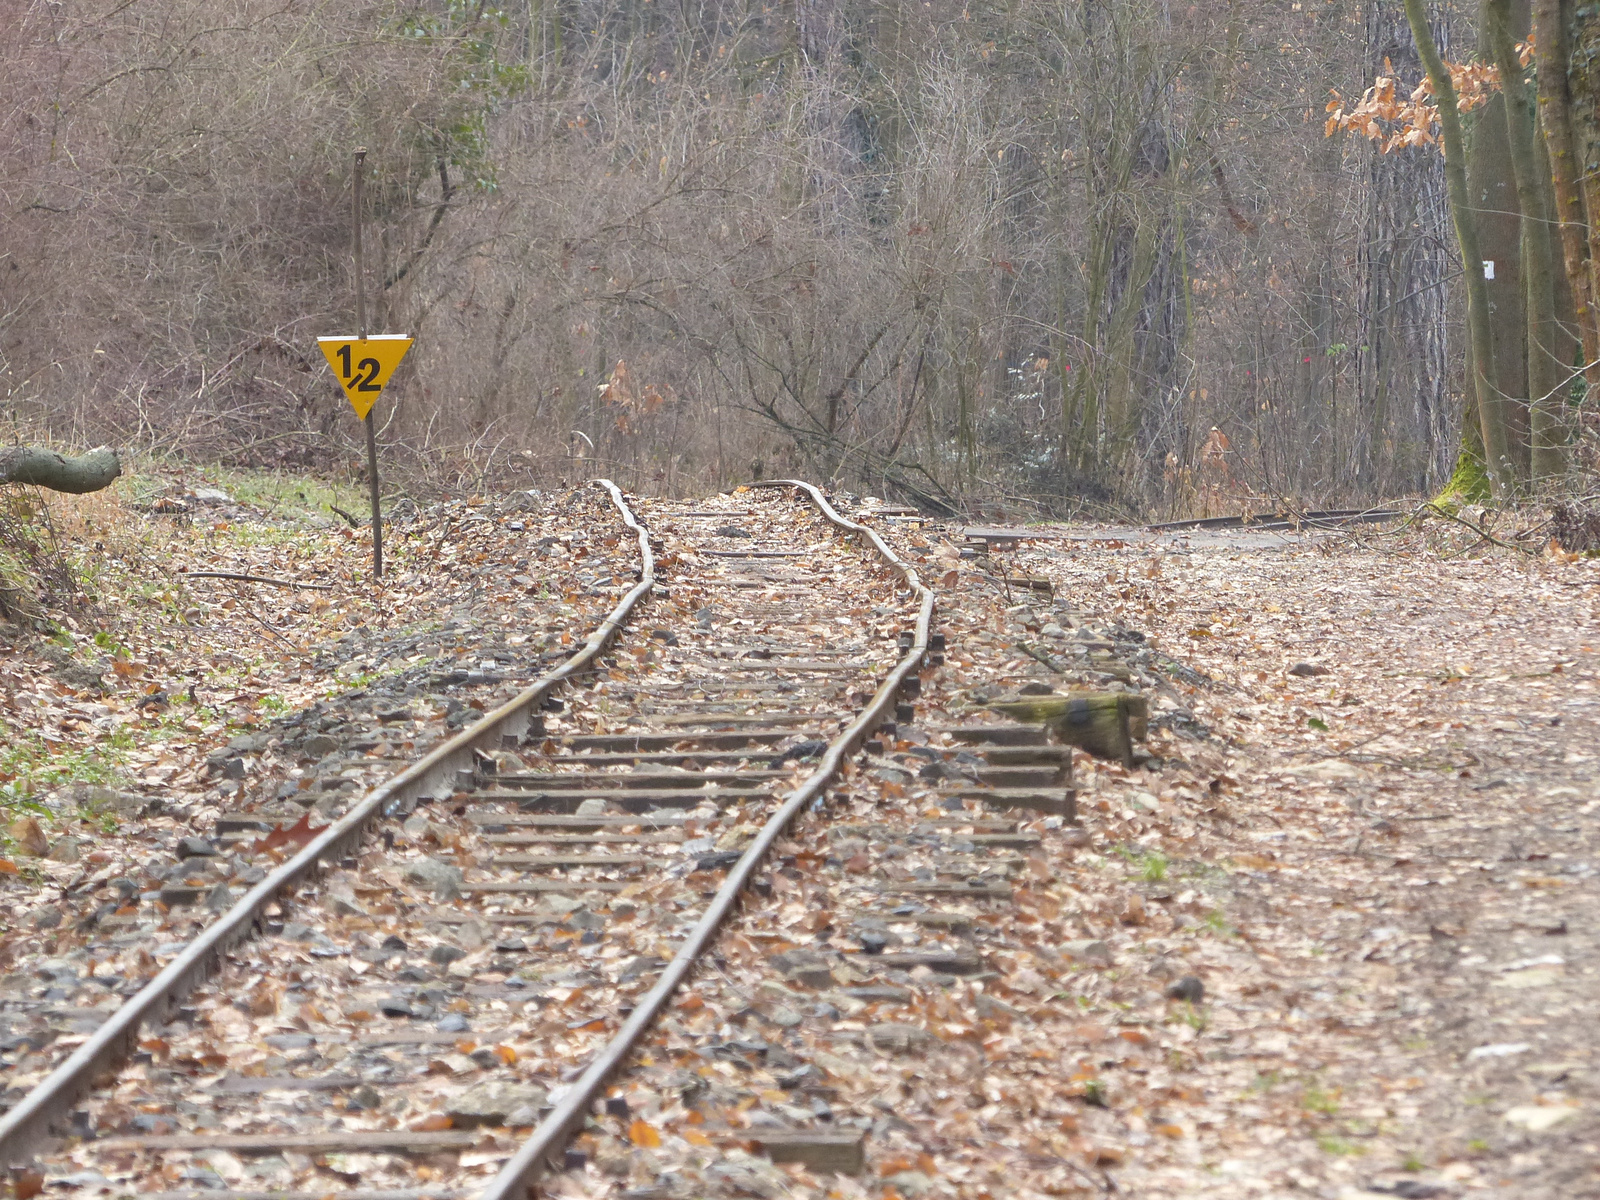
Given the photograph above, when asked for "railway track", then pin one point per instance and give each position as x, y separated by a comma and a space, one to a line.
429, 998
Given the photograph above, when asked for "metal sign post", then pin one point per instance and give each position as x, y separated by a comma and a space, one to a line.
361, 323
364, 364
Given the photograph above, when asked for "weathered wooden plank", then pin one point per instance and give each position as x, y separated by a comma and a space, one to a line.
320, 1194
546, 780
403, 1141
556, 862
638, 800
624, 742
976, 891
565, 821
254, 1085
838, 1152
995, 735
948, 962
1055, 802
513, 887
582, 839
1103, 723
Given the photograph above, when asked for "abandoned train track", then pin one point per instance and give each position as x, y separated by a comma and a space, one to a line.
429, 998
368, 1003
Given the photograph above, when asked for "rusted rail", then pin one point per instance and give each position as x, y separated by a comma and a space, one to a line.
575, 783
531, 1161
28, 1123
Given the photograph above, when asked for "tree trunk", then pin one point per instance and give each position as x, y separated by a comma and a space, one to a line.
1546, 375
1480, 338
45, 468
1555, 116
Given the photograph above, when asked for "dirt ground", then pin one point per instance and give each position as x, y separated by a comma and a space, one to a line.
1402, 850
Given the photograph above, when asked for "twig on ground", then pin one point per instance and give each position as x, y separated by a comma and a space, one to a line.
261, 621
355, 522
1038, 656
283, 583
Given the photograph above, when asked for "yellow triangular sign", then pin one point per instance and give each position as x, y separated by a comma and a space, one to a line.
364, 365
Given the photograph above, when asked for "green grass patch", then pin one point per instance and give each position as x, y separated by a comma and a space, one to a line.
1314, 1099
1329, 1144
30, 765
289, 495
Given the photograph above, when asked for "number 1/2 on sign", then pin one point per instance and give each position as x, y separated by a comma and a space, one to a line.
364, 365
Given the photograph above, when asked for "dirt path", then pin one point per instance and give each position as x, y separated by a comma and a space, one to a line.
1402, 850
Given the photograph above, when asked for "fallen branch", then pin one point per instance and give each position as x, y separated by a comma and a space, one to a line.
45, 468
1483, 533
283, 583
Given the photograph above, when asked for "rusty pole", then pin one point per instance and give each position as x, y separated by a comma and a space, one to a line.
361, 323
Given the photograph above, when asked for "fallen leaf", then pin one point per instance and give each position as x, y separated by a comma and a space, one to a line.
1536, 1118
298, 834
642, 1133
433, 1124
28, 836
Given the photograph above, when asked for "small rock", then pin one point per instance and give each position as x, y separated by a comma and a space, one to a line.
444, 879
319, 744
644, 964
592, 807
1095, 953
492, 1103
996, 1010
1188, 988
47, 918
1053, 630
910, 1183
196, 847
894, 1037
342, 902
444, 954
65, 850
523, 1115
785, 1017
732, 531
1305, 670
806, 967
28, 836
452, 1023
364, 1098
290, 1041
220, 898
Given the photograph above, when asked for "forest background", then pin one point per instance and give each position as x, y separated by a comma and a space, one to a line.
1092, 255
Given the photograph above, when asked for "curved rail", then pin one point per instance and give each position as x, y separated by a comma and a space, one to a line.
28, 1123
517, 1178
1318, 519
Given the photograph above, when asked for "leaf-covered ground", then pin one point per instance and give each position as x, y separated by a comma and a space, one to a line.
1381, 866
1365, 832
